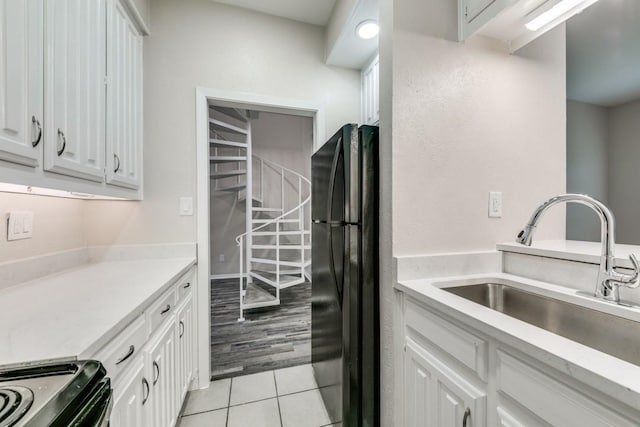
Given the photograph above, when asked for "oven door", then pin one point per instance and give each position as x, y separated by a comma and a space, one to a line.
97, 409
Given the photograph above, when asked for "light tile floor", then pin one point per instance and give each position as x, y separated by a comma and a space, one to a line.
282, 398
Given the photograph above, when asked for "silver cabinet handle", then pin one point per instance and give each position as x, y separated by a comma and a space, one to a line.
145, 385
467, 415
64, 142
126, 356
36, 123
181, 328
117, 160
166, 309
156, 369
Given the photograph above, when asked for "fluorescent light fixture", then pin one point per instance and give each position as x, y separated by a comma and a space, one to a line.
367, 29
550, 15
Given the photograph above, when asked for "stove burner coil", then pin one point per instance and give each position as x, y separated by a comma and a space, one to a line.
15, 401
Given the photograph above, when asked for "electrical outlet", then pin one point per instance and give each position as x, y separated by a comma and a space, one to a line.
221, 258
495, 204
20, 225
186, 206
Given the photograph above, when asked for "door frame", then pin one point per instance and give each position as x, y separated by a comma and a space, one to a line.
241, 100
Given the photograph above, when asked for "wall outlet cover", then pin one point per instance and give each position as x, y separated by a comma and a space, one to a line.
20, 225
186, 206
495, 204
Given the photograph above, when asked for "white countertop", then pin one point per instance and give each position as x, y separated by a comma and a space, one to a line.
613, 376
73, 313
573, 250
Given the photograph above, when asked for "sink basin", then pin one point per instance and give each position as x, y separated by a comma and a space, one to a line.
610, 334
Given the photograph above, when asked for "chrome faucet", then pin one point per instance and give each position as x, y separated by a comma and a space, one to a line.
609, 279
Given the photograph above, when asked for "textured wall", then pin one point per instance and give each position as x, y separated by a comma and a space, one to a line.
587, 147
624, 161
202, 43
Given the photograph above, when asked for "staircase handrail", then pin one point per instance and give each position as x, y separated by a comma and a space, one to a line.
284, 215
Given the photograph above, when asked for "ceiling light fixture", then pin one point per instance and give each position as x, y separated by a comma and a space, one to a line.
367, 29
555, 12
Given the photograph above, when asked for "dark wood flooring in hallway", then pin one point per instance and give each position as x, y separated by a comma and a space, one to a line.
269, 338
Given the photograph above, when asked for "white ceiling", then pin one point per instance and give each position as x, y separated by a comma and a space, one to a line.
603, 53
315, 12
351, 51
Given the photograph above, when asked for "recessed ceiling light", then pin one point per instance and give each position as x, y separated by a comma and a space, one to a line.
367, 29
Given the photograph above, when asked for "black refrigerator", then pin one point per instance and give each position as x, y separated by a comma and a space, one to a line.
344, 305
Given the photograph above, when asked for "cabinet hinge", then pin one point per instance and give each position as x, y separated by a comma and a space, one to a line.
466, 11
106, 80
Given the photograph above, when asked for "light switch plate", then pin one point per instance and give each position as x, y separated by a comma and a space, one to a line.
20, 225
495, 204
186, 206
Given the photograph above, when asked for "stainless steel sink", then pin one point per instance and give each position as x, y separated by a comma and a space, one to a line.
610, 334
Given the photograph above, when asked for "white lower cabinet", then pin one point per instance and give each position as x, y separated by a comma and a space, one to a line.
160, 364
151, 385
435, 395
185, 333
498, 385
130, 398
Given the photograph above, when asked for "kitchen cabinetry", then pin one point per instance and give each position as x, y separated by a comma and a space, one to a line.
124, 100
130, 398
21, 109
370, 81
436, 395
150, 378
451, 370
74, 88
160, 362
71, 103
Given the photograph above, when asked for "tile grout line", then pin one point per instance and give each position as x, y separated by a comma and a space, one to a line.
229, 403
275, 382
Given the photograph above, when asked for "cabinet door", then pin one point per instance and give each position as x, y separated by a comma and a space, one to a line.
370, 80
185, 334
161, 369
124, 99
75, 88
21, 74
131, 397
436, 395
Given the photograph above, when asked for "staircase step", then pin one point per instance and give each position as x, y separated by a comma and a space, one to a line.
225, 159
259, 209
221, 126
271, 279
215, 141
282, 247
234, 113
281, 221
236, 187
284, 263
227, 174
282, 233
256, 297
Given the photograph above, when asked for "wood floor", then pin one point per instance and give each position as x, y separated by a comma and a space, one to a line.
269, 338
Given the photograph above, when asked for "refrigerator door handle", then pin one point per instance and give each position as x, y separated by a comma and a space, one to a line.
332, 187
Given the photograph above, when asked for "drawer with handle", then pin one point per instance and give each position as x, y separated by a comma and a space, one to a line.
184, 286
161, 310
116, 355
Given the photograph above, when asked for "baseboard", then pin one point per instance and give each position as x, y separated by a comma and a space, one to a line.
224, 276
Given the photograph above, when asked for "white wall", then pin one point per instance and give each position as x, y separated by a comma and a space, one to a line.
466, 119
624, 163
202, 43
284, 139
59, 225
587, 147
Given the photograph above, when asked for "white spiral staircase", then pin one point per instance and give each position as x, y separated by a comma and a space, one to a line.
275, 250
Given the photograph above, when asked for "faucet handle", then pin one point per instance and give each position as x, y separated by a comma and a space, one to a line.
629, 280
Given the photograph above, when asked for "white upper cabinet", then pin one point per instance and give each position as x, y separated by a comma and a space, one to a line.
75, 68
124, 99
21, 68
371, 93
